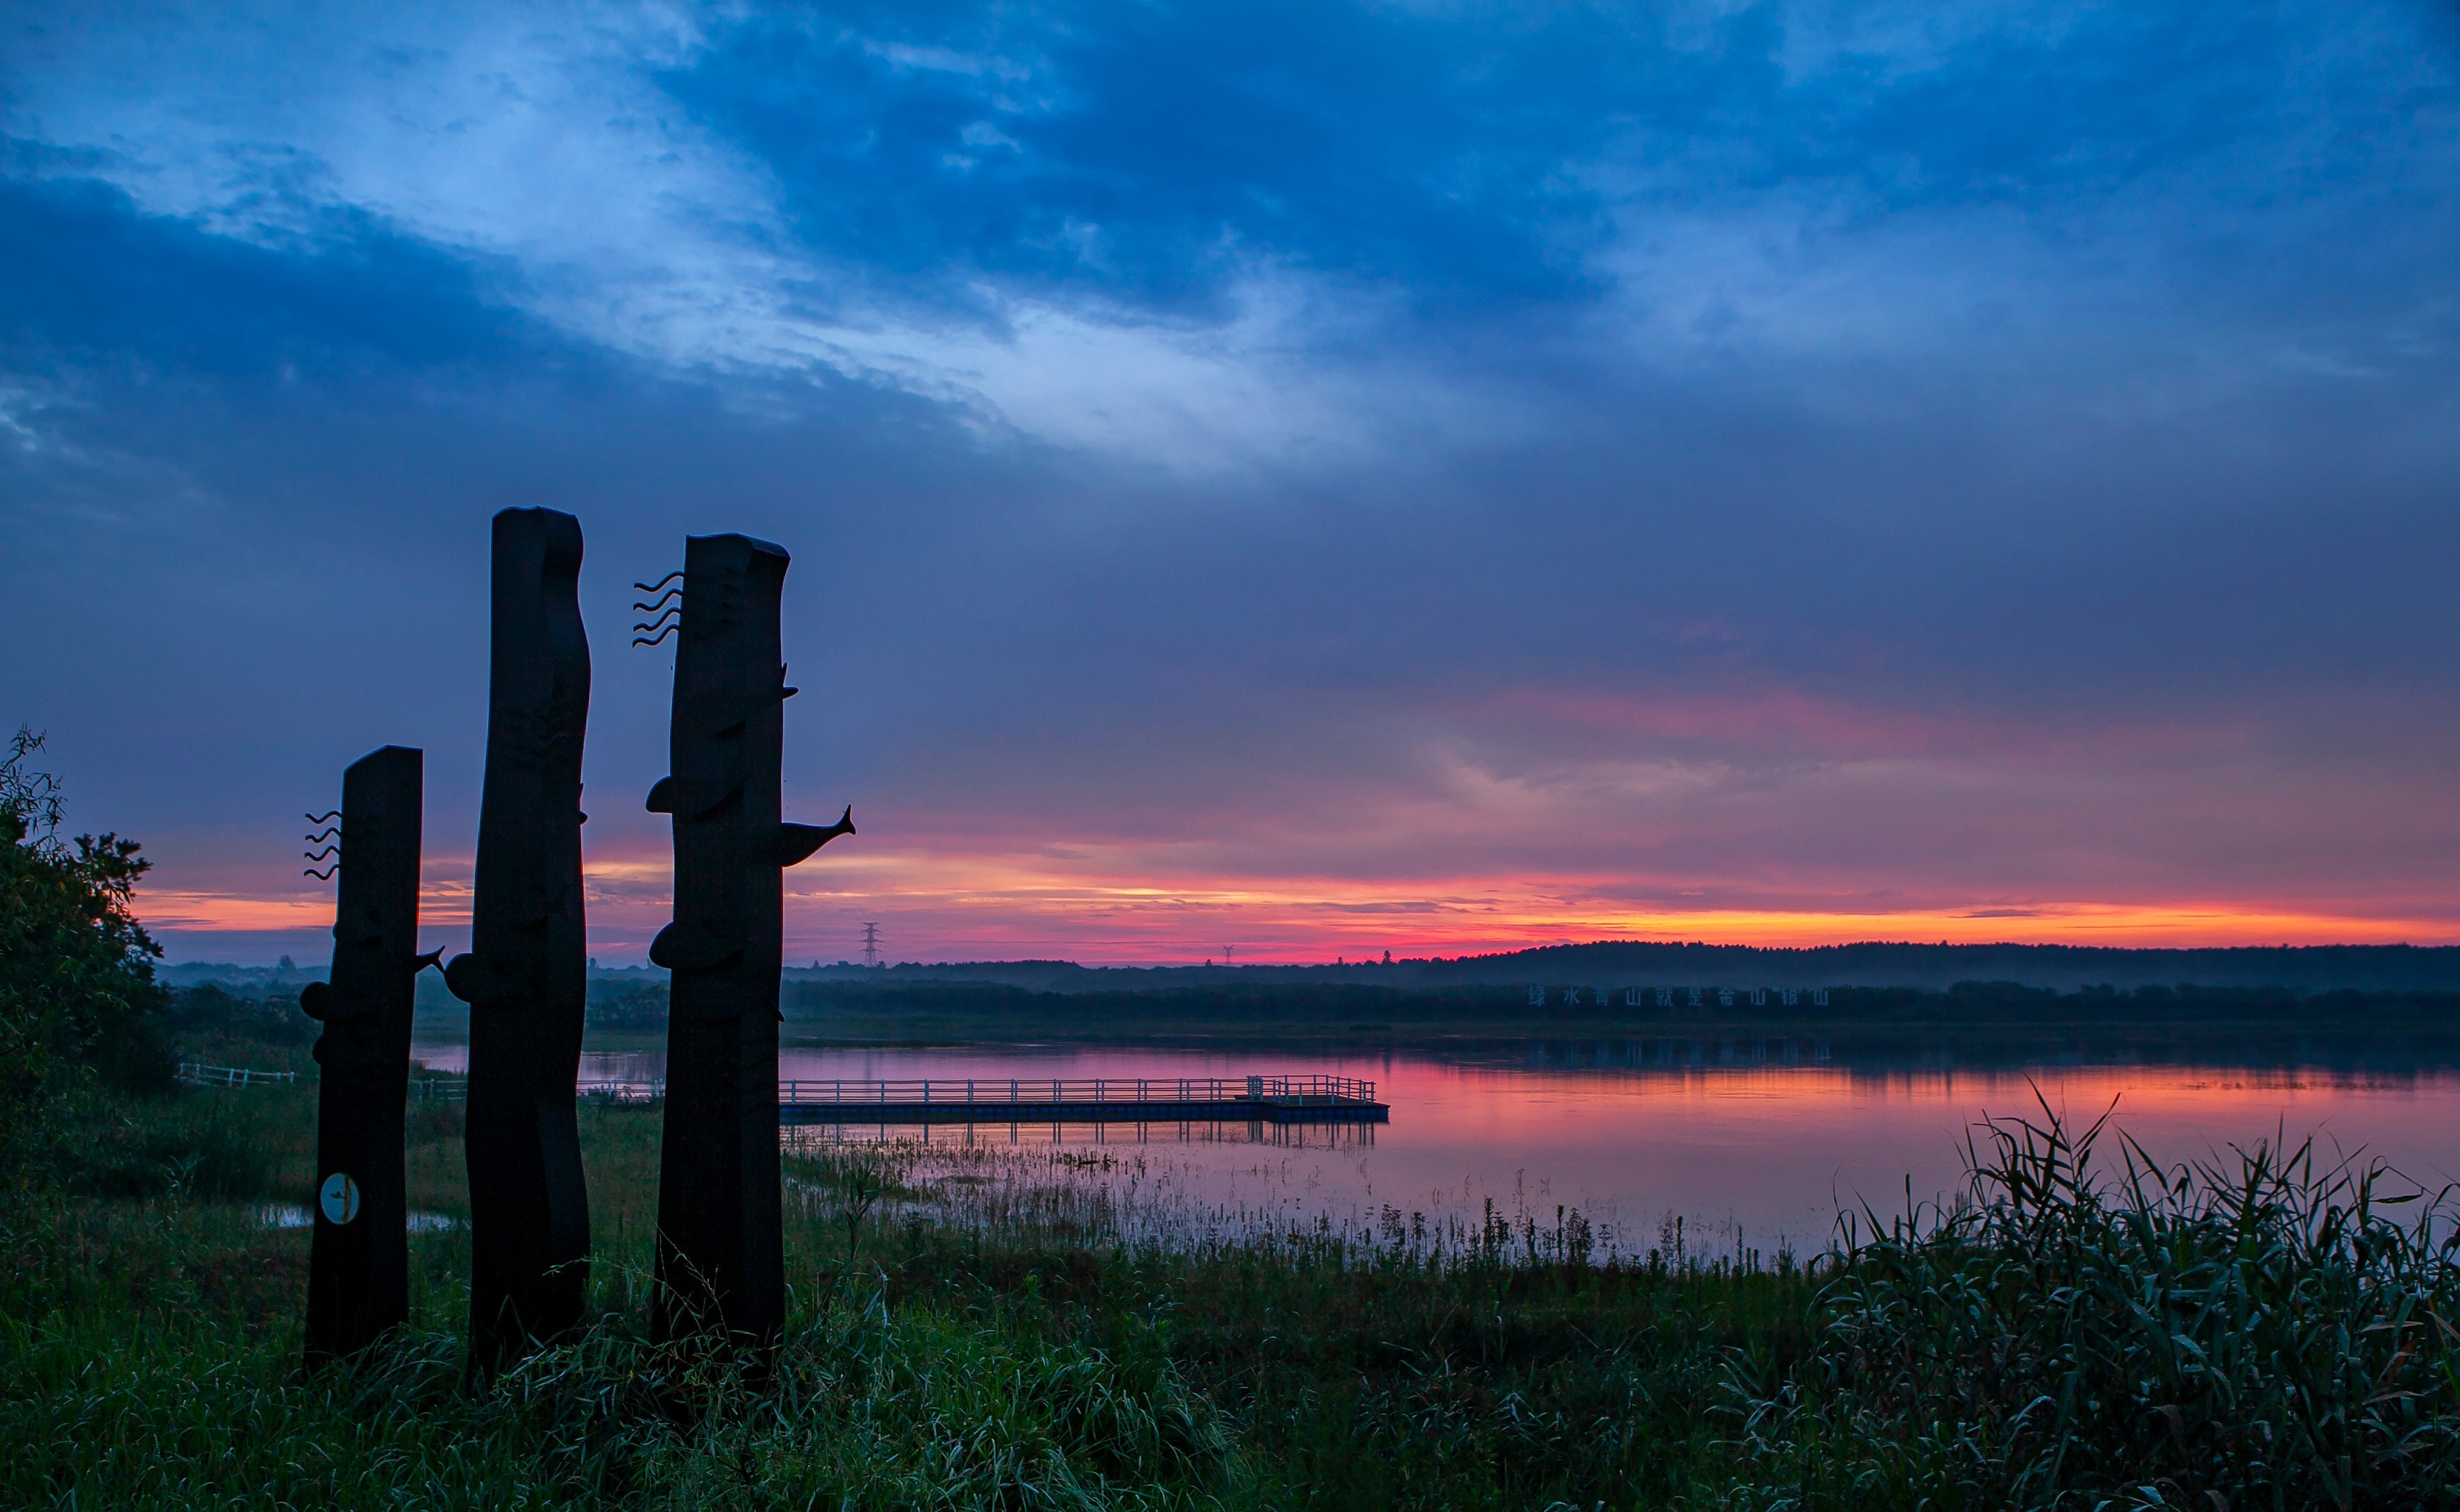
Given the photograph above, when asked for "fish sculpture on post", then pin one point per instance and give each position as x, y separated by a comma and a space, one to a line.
720, 1257
358, 1262
526, 976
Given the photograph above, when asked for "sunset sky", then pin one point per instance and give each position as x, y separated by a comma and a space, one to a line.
1297, 481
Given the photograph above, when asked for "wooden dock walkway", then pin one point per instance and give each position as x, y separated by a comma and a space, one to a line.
1098, 1099
973, 1100
1028, 1100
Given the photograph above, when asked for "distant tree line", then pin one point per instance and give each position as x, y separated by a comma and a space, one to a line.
622, 1007
1935, 967
1338, 1004
270, 1014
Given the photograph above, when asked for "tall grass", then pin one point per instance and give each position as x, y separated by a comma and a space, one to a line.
2268, 1331
149, 1358
975, 1330
1505, 1366
867, 1408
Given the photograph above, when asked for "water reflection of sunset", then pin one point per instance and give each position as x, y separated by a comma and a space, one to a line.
1748, 1154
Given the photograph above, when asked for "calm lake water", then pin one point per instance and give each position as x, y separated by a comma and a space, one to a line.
1753, 1144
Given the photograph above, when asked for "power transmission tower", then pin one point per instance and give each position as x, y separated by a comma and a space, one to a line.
871, 944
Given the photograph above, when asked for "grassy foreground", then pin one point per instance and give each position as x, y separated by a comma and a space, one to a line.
965, 1336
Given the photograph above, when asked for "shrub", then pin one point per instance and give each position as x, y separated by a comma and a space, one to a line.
77, 971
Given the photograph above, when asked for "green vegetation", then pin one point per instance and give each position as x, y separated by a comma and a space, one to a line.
2262, 1334
2302, 969
627, 1007
966, 1335
1280, 1005
1878, 1018
977, 1327
78, 1009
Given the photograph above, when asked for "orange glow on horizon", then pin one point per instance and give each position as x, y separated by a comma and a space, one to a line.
1100, 906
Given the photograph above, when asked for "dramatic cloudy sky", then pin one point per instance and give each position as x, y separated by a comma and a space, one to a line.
1301, 480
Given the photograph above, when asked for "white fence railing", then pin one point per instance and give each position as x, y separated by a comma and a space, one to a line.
197, 1072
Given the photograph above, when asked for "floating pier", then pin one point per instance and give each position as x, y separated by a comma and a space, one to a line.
1032, 1100
1098, 1099
1051, 1100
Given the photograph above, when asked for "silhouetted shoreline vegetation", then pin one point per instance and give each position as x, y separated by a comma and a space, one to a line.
1610, 989
1978, 1012
2302, 969
1982, 1022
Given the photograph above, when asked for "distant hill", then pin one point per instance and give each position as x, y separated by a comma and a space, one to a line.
1622, 963
1616, 964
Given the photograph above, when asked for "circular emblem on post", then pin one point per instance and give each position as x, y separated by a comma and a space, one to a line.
338, 1198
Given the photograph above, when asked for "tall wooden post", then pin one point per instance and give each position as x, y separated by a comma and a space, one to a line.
720, 1257
526, 977
358, 1262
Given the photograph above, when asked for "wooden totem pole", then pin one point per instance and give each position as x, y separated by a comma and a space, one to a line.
720, 1256
358, 1264
526, 977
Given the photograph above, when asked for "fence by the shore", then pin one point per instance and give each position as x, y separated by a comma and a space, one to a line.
197, 1072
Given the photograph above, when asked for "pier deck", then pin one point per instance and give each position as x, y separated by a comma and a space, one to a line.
1046, 1100
1174, 1099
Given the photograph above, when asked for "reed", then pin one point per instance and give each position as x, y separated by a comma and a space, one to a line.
993, 1327
2088, 1328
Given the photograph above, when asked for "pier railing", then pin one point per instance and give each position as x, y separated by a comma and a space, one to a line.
1280, 1091
1300, 1091
1111, 1097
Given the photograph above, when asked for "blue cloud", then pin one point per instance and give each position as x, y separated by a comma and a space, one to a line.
1143, 154
1152, 154
1177, 412
92, 277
